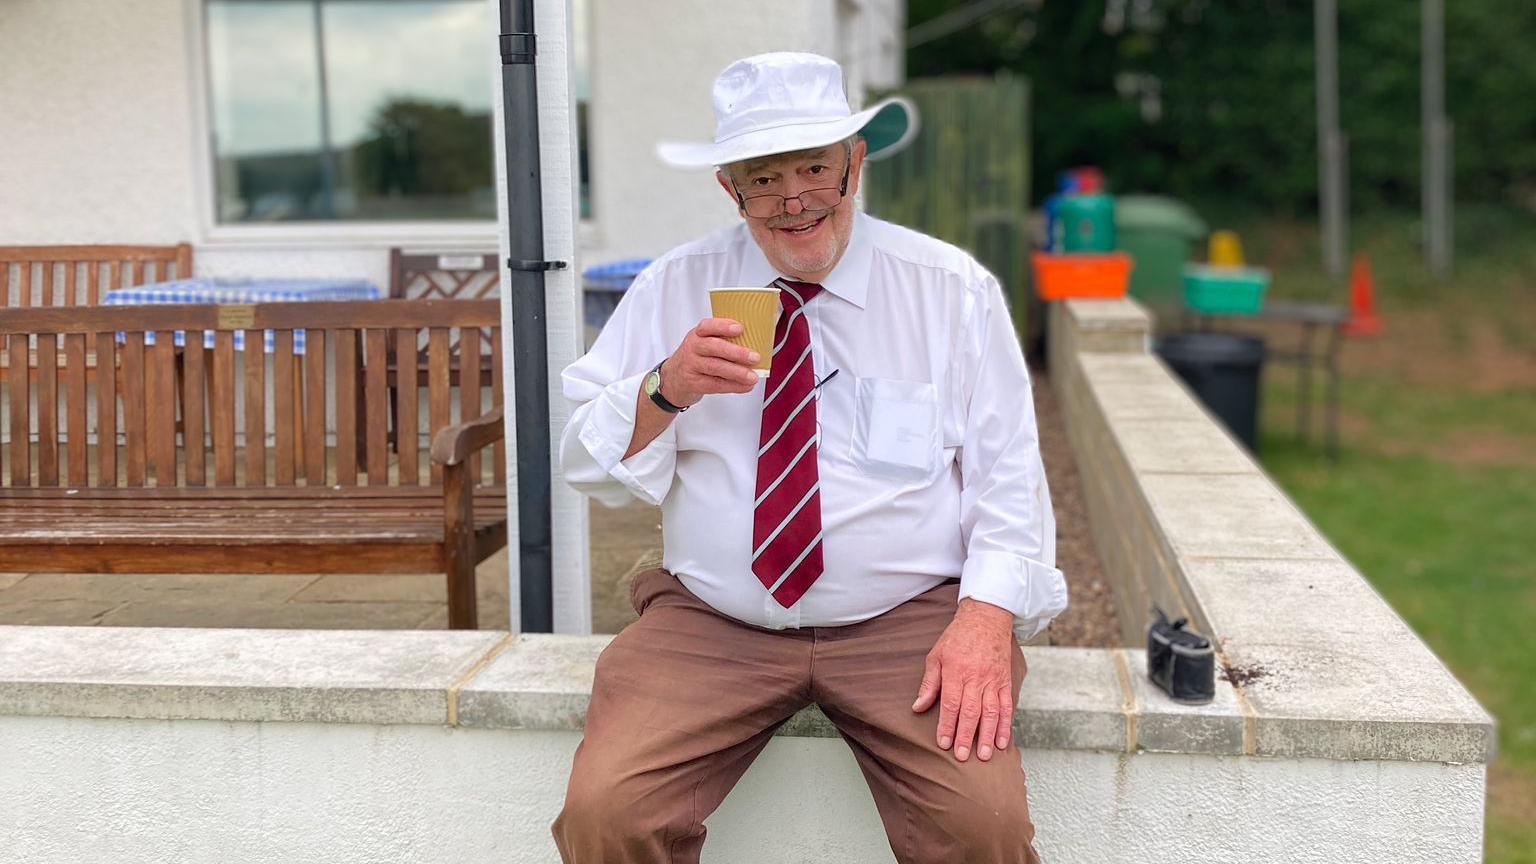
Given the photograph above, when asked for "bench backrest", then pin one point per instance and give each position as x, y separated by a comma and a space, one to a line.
140, 414
444, 276
79, 275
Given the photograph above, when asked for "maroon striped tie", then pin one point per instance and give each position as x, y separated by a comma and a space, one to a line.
786, 518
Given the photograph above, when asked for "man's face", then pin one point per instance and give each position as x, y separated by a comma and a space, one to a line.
801, 243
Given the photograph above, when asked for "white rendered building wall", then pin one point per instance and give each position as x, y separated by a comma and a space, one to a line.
652, 69
78, 791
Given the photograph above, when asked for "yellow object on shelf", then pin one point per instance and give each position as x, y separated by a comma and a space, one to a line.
1226, 250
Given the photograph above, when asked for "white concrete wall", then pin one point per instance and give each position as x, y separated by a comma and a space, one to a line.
76, 791
652, 69
97, 136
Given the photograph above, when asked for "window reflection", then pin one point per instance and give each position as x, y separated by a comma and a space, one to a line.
351, 109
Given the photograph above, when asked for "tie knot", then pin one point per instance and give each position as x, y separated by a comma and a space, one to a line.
799, 293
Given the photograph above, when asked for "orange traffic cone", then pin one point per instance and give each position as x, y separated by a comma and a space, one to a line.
1363, 320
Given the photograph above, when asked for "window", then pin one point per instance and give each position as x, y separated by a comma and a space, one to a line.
356, 110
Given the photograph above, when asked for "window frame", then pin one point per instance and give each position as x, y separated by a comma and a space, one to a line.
468, 233
445, 234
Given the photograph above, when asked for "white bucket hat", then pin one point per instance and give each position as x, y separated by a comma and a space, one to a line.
783, 102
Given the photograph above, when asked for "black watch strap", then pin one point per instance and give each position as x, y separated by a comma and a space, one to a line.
660, 400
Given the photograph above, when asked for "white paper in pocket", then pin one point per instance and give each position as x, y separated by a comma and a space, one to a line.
901, 433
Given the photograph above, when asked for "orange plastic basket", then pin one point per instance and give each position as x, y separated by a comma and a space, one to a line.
1067, 277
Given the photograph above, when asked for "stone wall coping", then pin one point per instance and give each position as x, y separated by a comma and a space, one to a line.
1072, 699
1326, 667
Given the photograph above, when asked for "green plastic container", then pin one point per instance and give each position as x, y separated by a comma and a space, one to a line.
1087, 223
1160, 233
1225, 290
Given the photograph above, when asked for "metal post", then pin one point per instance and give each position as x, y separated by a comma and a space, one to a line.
1330, 140
526, 266
1436, 142
327, 152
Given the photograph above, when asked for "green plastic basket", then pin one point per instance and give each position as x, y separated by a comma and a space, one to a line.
1225, 290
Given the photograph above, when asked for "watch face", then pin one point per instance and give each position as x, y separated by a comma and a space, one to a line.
652, 383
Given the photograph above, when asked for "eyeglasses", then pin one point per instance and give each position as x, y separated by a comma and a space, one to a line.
768, 206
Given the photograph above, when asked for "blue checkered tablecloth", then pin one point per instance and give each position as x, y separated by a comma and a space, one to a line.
228, 291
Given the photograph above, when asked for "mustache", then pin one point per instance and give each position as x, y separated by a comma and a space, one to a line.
785, 221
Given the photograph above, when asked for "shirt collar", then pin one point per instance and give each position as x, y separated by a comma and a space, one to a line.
848, 280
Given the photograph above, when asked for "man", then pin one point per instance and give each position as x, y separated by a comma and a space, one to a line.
859, 531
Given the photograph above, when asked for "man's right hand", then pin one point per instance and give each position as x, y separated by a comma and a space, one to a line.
706, 364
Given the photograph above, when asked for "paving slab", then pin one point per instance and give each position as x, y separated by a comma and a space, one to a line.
1193, 446
69, 612
256, 675
1297, 602
1071, 699
1166, 726
212, 588
1132, 386
311, 616
1231, 516
1119, 314
540, 681
494, 614
1390, 700
9, 579
381, 588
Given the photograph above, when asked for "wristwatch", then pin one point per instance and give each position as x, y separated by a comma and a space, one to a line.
652, 387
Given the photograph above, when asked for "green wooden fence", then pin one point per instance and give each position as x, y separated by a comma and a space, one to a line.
965, 178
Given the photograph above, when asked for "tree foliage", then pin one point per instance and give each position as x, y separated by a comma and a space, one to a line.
418, 147
1206, 98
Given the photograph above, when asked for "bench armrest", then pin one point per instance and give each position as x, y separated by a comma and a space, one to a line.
453, 444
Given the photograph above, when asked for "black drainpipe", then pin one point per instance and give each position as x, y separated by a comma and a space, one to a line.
530, 359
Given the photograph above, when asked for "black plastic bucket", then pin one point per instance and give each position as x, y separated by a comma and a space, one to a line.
1223, 369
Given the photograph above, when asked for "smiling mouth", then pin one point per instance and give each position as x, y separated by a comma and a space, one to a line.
803, 229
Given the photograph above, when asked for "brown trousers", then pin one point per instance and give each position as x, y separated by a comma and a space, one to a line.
685, 699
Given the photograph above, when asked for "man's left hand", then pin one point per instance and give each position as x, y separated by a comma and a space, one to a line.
969, 673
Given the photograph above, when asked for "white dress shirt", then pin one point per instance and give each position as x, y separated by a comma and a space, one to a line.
929, 458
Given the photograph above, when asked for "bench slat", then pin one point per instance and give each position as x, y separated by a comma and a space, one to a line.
346, 406
240, 493
133, 408
407, 407
376, 397
500, 449
194, 382
223, 408
161, 408
21, 406
283, 387
106, 410
314, 408
255, 409
47, 408
400, 557
469, 386
439, 399
75, 402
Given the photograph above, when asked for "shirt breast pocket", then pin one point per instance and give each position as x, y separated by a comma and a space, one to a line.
896, 432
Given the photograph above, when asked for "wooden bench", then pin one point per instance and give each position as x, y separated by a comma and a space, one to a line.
120, 486
79, 275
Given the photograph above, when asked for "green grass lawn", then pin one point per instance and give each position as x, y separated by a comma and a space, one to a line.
1434, 496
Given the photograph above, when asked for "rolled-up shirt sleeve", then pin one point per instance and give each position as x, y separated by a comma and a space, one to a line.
603, 387
1005, 505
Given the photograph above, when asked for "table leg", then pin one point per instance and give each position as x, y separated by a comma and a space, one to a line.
1304, 385
1333, 391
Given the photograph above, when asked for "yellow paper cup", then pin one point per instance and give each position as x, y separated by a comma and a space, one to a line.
757, 311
